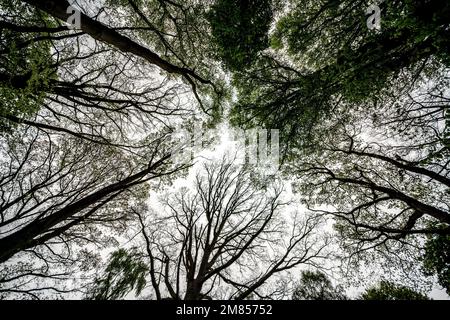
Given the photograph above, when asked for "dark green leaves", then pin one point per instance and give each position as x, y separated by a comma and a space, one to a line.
317, 286
125, 272
437, 259
240, 28
25, 64
390, 291
332, 57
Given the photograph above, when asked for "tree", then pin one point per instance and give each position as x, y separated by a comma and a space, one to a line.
110, 36
240, 30
83, 116
317, 286
329, 104
334, 59
123, 273
93, 140
24, 69
386, 194
226, 239
57, 198
436, 259
41, 221
390, 291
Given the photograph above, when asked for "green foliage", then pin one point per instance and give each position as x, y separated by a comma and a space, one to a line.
436, 259
332, 57
317, 33
274, 95
317, 286
390, 291
239, 29
179, 32
26, 70
125, 272
30, 68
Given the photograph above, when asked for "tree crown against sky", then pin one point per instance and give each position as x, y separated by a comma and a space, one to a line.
87, 114
317, 286
333, 58
390, 291
224, 239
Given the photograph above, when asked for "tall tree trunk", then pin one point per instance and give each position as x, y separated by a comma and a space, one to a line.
26, 237
101, 32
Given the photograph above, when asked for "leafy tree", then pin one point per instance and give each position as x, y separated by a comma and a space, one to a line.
436, 259
331, 86
390, 291
386, 195
240, 30
123, 274
26, 66
317, 286
333, 57
95, 142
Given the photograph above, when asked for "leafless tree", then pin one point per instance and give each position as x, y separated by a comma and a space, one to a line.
226, 239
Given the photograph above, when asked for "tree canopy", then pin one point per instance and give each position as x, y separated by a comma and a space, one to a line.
97, 203
390, 291
221, 243
240, 30
317, 286
332, 57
